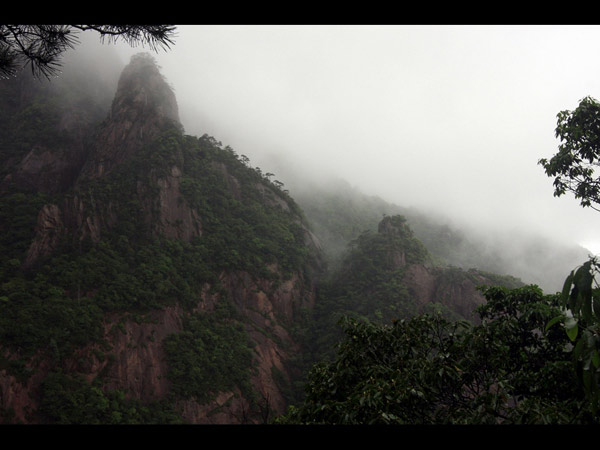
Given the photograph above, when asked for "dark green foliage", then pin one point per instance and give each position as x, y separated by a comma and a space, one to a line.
212, 354
427, 370
69, 399
121, 276
373, 269
38, 317
247, 223
574, 166
18, 217
581, 321
37, 311
368, 284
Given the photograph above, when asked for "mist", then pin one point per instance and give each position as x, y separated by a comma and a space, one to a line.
447, 119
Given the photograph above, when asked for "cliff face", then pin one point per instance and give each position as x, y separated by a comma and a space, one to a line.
46, 127
459, 295
390, 275
143, 106
187, 222
121, 249
453, 288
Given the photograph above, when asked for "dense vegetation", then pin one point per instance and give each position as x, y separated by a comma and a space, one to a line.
380, 358
430, 370
368, 284
60, 305
574, 168
517, 367
212, 355
68, 399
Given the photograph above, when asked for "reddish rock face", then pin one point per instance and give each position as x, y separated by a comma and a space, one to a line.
143, 106
47, 234
177, 219
428, 285
138, 365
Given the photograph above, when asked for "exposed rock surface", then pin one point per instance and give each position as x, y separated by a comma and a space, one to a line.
46, 170
176, 219
49, 159
144, 104
429, 285
47, 234
143, 107
454, 288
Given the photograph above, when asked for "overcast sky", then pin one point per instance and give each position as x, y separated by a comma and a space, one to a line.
451, 118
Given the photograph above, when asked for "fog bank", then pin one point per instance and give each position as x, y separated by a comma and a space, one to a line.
451, 119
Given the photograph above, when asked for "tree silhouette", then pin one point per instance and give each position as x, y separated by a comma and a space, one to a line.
41, 46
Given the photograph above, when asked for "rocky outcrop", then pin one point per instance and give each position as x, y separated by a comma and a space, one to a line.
48, 231
421, 283
143, 106
454, 288
135, 362
19, 398
393, 227
176, 219
46, 170
50, 122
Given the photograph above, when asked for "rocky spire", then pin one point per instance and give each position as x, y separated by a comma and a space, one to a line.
144, 106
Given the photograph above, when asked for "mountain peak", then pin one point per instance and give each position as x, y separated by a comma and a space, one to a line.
392, 225
143, 107
142, 87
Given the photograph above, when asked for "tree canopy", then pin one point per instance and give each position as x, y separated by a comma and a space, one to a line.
41, 46
429, 370
574, 166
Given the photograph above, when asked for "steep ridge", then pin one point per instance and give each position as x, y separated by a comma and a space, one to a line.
339, 212
143, 106
165, 280
162, 285
390, 275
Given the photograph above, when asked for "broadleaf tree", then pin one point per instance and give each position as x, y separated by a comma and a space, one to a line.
427, 369
574, 168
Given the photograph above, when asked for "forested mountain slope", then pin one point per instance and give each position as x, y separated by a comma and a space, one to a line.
146, 275
150, 276
339, 212
390, 275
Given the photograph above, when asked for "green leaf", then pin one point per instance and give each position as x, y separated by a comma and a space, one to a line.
567, 288
578, 350
585, 291
554, 321
572, 328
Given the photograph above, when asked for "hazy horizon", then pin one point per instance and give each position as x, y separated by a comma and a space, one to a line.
451, 119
